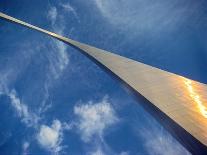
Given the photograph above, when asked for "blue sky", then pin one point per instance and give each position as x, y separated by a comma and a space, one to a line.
53, 100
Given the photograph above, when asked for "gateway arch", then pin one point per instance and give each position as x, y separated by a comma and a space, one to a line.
178, 103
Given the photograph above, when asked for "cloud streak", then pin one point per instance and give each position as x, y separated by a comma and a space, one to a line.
27, 117
58, 57
49, 137
140, 17
159, 141
67, 7
52, 14
97, 152
25, 147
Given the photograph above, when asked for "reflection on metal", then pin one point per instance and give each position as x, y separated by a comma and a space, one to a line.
178, 103
196, 97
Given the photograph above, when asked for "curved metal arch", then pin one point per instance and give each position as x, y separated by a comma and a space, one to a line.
178, 103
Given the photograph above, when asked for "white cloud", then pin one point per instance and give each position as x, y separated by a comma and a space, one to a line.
4, 81
97, 152
58, 60
51, 137
52, 14
67, 126
58, 56
124, 153
69, 8
63, 57
29, 118
94, 118
16, 65
141, 17
160, 142
44, 105
25, 147
160, 145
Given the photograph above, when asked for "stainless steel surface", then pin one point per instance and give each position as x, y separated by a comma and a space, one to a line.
182, 99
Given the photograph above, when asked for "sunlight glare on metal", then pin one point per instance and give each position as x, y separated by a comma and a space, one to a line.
195, 97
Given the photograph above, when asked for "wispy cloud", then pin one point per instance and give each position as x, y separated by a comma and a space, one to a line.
140, 17
25, 147
50, 137
159, 141
28, 117
160, 144
58, 60
58, 57
52, 14
67, 7
94, 118
124, 153
97, 152
17, 64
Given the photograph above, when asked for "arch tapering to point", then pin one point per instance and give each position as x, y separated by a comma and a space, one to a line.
178, 103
